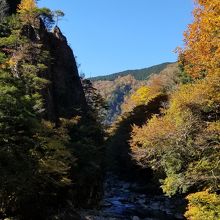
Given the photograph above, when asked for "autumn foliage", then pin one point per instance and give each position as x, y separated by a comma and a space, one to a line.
201, 54
46, 167
169, 126
182, 135
28, 11
27, 5
183, 142
203, 205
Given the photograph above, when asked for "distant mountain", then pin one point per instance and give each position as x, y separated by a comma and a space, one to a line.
116, 87
139, 74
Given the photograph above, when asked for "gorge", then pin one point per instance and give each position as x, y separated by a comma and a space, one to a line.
135, 145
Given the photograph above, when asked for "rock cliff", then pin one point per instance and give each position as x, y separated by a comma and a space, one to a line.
65, 97
12, 5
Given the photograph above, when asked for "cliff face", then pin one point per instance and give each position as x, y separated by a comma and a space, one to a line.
64, 97
12, 6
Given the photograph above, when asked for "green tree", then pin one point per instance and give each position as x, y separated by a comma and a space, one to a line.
44, 167
58, 14
96, 104
35, 156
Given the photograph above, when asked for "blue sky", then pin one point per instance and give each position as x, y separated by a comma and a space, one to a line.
109, 36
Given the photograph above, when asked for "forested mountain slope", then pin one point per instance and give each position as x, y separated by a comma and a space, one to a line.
116, 87
57, 156
139, 74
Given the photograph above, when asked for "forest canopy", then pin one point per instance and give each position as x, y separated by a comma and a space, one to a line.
61, 133
183, 142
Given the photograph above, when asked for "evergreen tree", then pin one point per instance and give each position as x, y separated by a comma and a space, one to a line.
39, 173
35, 155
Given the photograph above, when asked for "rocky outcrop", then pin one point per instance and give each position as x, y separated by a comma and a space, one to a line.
65, 97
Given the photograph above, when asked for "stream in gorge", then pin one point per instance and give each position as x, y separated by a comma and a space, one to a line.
122, 200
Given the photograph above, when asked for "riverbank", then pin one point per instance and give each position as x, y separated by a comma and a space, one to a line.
121, 200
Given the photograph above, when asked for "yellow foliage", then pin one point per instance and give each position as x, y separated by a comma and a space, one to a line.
27, 11
184, 142
141, 96
150, 141
214, 127
202, 46
172, 184
203, 206
187, 135
11, 62
204, 94
27, 5
148, 135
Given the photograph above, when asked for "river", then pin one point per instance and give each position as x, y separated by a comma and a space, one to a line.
122, 201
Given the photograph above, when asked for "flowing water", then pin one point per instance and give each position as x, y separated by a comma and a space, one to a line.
121, 201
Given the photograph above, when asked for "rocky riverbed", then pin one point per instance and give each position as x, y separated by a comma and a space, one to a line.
122, 201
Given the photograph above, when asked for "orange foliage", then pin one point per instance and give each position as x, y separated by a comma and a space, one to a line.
146, 140
202, 45
189, 126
